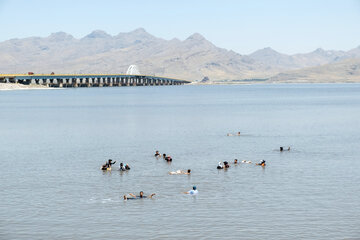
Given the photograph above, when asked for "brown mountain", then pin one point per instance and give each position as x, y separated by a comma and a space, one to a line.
191, 59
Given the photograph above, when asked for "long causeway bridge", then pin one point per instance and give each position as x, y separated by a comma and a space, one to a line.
89, 80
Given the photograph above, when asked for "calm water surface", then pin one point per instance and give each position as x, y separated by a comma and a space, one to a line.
53, 142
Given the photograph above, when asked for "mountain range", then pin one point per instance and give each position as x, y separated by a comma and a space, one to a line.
192, 59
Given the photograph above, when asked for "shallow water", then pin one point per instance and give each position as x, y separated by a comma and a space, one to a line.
53, 143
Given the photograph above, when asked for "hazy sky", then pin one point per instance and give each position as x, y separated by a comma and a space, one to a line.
243, 26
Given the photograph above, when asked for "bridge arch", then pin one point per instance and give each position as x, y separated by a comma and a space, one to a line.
133, 70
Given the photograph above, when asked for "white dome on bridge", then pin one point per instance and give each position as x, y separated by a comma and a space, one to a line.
133, 70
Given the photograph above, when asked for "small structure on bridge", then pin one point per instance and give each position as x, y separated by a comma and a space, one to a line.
133, 70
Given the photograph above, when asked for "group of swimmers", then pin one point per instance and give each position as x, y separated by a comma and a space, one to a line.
107, 166
193, 191
124, 168
225, 164
167, 158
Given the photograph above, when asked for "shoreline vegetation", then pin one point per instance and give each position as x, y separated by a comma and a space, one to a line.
18, 86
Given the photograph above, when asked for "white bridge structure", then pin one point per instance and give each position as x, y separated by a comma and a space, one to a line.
131, 78
133, 70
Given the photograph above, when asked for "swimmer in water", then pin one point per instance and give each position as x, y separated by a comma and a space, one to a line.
122, 167
164, 155
244, 161
235, 161
107, 165
110, 162
157, 154
282, 149
127, 198
238, 134
141, 195
127, 167
192, 191
168, 158
226, 164
178, 172
262, 163
219, 166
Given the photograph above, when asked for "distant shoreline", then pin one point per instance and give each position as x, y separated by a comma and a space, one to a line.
17, 86
271, 83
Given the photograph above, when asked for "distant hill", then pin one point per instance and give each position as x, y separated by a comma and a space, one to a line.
344, 71
191, 59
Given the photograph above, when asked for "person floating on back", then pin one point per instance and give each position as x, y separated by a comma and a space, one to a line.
282, 149
141, 195
178, 172
231, 134
262, 163
244, 161
192, 191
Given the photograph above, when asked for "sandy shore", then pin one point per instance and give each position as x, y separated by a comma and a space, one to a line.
17, 86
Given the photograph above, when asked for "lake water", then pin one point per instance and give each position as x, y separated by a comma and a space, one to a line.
53, 142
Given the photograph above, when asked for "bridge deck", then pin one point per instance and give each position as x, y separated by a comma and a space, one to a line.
89, 80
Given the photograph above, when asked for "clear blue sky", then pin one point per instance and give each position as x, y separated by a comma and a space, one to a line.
243, 26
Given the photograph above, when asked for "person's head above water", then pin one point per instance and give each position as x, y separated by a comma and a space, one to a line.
125, 197
189, 170
194, 187
141, 193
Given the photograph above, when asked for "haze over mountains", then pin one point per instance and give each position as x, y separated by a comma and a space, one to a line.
191, 59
